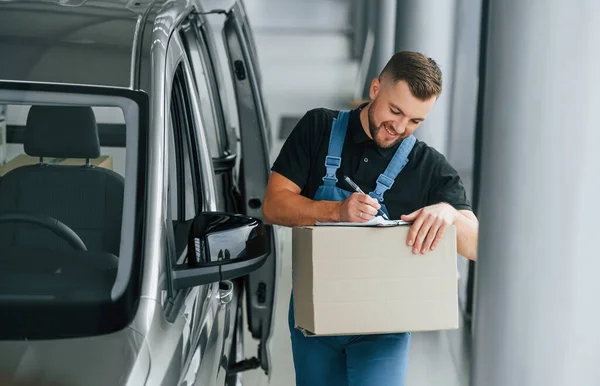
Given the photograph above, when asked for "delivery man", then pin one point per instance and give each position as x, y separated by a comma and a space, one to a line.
374, 146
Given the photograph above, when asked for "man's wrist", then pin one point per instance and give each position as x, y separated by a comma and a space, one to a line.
328, 211
334, 213
455, 213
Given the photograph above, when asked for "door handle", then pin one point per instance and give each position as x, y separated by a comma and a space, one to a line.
225, 292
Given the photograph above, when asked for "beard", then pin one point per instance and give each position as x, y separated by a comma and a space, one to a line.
374, 129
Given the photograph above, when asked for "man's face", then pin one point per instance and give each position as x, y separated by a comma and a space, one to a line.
394, 113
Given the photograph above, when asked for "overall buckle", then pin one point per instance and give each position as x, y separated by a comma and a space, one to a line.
385, 181
333, 162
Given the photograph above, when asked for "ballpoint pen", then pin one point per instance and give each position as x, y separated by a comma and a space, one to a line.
359, 190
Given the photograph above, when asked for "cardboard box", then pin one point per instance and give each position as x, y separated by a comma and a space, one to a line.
103, 161
366, 280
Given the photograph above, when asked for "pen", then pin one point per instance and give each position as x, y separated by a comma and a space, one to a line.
359, 190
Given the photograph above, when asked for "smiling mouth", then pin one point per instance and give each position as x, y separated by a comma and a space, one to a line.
390, 132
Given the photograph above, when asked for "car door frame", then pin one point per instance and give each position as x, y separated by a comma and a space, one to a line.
261, 285
199, 306
200, 54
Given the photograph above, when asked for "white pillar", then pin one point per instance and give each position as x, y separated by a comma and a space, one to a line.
428, 26
382, 23
537, 310
385, 29
360, 25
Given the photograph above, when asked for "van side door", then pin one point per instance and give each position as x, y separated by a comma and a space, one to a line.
254, 130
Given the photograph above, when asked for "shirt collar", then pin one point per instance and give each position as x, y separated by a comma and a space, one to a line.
359, 135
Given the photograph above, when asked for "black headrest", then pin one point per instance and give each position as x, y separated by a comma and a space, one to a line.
62, 132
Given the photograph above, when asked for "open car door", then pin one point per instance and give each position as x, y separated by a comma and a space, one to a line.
261, 285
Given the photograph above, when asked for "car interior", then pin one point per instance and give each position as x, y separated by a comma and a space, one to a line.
60, 214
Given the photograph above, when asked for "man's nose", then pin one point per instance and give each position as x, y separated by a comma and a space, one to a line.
400, 125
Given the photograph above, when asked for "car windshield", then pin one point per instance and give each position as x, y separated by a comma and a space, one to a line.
68, 182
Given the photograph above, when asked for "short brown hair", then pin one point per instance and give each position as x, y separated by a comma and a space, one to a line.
422, 74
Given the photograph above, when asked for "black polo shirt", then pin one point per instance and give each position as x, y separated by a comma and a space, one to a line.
426, 179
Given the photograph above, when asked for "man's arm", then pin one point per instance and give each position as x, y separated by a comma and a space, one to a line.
447, 204
467, 234
283, 205
431, 222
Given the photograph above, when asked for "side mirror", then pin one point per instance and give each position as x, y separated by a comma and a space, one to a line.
222, 246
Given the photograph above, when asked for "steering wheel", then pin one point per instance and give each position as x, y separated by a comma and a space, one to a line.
57, 227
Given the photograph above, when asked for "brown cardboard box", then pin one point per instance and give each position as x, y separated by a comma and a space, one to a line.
103, 161
366, 280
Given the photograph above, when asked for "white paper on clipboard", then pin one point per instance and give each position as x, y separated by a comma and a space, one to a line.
376, 221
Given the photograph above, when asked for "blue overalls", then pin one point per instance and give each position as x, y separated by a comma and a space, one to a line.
361, 360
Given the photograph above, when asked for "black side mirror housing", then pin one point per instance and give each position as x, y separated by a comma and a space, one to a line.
222, 246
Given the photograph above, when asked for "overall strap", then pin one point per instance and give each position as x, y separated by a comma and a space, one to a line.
387, 178
336, 143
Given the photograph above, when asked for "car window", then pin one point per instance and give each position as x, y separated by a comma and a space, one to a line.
208, 95
184, 186
68, 187
185, 197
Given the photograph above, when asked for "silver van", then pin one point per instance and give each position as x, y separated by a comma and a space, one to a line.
134, 154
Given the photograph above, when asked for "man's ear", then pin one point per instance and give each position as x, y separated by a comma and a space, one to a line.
375, 88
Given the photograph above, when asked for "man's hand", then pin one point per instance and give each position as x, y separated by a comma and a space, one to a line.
429, 225
358, 208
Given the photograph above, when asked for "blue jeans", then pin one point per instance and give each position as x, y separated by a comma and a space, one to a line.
360, 360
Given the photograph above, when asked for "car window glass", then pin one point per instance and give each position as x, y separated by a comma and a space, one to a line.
185, 193
205, 80
69, 161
